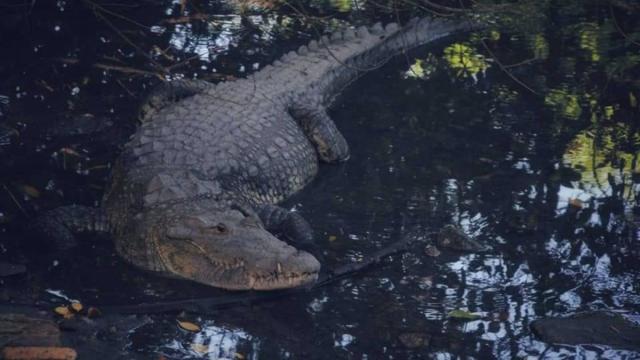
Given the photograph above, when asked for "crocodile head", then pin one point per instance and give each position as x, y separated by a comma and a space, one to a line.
230, 249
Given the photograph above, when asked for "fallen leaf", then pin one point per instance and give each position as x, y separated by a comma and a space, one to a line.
332, 238
93, 312
31, 191
63, 311
576, 203
239, 356
432, 251
463, 315
69, 151
76, 306
188, 326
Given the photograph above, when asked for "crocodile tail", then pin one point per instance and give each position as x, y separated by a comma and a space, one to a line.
63, 223
358, 51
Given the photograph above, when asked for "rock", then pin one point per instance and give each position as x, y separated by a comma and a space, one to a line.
413, 340
38, 353
598, 327
22, 330
453, 238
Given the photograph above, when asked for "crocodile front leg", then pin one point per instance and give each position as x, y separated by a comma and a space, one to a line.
291, 225
167, 93
320, 130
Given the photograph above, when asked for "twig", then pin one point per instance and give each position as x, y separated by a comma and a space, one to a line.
14, 199
97, 11
619, 28
520, 63
123, 69
443, 7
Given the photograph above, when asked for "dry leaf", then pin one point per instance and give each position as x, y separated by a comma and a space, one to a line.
62, 311
332, 238
576, 203
93, 312
31, 191
76, 306
69, 151
188, 326
432, 251
239, 356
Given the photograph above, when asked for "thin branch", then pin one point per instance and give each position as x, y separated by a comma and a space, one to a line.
500, 64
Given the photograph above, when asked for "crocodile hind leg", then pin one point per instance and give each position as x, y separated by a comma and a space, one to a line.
167, 93
61, 224
321, 131
291, 225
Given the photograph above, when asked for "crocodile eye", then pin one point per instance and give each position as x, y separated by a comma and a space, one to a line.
220, 228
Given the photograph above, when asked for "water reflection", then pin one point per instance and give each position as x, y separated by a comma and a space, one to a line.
431, 147
211, 342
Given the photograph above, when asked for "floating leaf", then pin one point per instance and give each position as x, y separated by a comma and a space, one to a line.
63, 311
577, 203
93, 312
31, 191
188, 326
432, 251
76, 306
463, 315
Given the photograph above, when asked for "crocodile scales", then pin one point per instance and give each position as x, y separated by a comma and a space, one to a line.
193, 194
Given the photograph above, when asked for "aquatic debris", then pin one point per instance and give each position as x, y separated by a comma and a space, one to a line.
432, 251
188, 326
31, 191
596, 327
453, 238
463, 315
93, 312
76, 306
414, 340
63, 311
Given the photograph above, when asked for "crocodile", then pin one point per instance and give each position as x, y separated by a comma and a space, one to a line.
194, 193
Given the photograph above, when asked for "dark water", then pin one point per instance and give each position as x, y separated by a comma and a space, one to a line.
547, 180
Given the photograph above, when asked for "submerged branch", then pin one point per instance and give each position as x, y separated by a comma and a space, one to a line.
246, 298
